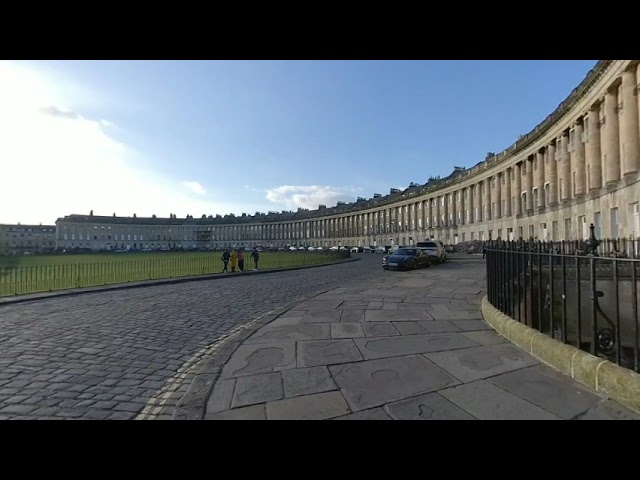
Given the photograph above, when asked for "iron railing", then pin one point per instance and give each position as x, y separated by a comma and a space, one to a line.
573, 295
113, 268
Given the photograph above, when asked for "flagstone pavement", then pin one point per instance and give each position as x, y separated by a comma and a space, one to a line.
410, 346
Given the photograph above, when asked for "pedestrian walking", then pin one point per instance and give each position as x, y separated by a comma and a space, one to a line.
225, 260
256, 258
241, 260
234, 260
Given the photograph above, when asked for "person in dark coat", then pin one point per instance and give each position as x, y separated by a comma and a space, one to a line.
256, 257
225, 259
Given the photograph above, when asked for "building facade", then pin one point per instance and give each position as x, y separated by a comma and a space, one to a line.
20, 239
579, 166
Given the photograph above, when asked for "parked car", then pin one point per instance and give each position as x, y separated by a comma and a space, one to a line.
444, 251
406, 257
434, 250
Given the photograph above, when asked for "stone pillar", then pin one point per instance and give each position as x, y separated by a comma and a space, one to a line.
593, 153
610, 138
553, 174
629, 139
507, 192
454, 208
498, 199
518, 187
445, 211
579, 157
565, 168
488, 198
539, 180
529, 183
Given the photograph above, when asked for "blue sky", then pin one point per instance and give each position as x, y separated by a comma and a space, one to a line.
209, 137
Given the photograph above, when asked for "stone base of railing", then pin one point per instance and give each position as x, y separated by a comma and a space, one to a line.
618, 383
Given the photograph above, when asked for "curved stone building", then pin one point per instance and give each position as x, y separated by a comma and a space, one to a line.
579, 166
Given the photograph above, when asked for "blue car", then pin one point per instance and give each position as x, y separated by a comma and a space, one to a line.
405, 258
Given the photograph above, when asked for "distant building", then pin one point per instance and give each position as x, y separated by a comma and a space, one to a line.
19, 239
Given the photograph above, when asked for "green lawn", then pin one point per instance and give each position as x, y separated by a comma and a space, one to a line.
21, 275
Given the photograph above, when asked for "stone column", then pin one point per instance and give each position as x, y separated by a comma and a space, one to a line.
579, 157
445, 210
629, 125
610, 138
518, 187
539, 178
507, 192
454, 208
498, 199
529, 183
488, 196
565, 168
552, 176
593, 153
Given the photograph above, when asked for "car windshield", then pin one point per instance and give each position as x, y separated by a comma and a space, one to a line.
427, 245
406, 251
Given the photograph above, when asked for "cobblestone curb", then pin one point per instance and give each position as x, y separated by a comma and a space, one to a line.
192, 405
618, 383
152, 283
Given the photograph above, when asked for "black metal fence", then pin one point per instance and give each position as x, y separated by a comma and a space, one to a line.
108, 269
572, 294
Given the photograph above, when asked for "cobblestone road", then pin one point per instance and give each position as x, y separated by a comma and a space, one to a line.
107, 355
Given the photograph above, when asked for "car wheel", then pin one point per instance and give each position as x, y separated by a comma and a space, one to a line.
414, 265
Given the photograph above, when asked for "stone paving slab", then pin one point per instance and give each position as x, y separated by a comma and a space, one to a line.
488, 402
372, 348
440, 326
540, 386
379, 329
376, 382
320, 406
255, 412
472, 364
327, 352
352, 315
319, 305
485, 337
412, 346
260, 358
371, 414
272, 333
321, 316
346, 330
396, 315
255, 389
306, 381
427, 407
409, 328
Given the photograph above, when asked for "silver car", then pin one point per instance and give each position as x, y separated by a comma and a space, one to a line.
434, 249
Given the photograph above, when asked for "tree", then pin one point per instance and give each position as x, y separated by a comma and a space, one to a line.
91, 213
135, 216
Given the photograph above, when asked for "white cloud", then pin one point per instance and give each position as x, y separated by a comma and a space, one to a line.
195, 187
309, 196
54, 161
